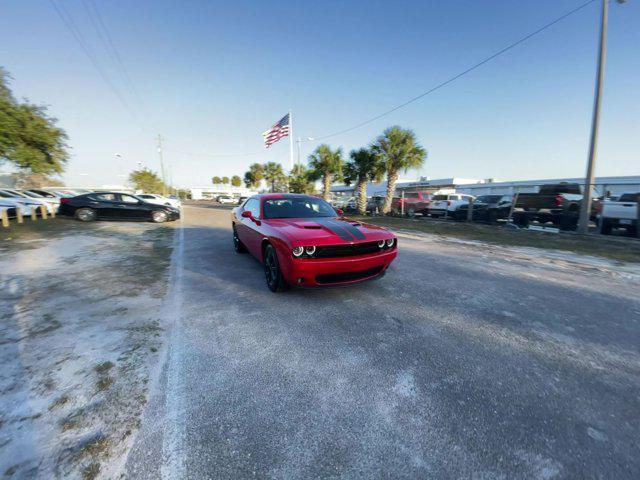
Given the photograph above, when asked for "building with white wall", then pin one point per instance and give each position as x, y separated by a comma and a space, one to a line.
208, 193
613, 185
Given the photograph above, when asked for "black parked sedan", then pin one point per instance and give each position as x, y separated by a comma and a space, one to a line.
114, 205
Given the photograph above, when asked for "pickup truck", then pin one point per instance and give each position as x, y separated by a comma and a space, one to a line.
622, 213
414, 202
557, 203
443, 205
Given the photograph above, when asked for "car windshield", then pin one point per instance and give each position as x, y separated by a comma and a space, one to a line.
304, 207
488, 198
16, 194
32, 194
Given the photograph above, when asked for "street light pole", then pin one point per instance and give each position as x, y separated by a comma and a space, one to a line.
585, 207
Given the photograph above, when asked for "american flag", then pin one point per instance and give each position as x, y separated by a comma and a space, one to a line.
278, 131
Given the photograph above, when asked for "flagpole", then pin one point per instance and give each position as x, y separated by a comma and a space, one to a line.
291, 138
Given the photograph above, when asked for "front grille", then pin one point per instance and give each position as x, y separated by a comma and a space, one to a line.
347, 277
347, 250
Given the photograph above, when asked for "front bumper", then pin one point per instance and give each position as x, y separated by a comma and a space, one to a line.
311, 272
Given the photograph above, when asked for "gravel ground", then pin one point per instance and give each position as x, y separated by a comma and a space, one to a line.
465, 361
79, 335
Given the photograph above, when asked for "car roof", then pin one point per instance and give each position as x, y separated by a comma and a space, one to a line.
273, 196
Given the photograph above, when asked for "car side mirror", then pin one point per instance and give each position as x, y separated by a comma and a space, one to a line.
247, 214
340, 212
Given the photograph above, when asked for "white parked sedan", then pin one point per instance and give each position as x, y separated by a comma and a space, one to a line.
228, 200
14, 205
17, 198
160, 200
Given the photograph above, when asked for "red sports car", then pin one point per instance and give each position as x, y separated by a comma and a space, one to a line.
301, 240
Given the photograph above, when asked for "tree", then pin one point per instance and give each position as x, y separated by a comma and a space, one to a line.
27, 179
216, 180
326, 164
299, 181
225, 180
254, 176
147, 181
275, 176
398, 150
29, 138
236, 181
364, 166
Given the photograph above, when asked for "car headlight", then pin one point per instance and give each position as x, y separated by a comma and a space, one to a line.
390, 242
381, 243
297, 251
310, 250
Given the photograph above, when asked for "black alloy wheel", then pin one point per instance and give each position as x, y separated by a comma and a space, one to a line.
86, 214
159, 216
238, 246
275, 282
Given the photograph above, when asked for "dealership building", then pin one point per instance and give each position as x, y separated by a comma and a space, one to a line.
613, 185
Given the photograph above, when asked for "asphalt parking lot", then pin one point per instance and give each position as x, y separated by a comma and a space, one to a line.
464, 361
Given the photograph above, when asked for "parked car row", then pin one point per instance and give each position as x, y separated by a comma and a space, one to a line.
88, 205
554, 204
25, 200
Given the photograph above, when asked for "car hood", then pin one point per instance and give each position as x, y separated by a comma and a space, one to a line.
327, 230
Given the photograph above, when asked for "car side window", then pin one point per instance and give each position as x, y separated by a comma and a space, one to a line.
104, 197
253, 205
128, 199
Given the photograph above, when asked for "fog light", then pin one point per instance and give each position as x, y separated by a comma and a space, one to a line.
298, 251
310, 250
390, 242
381, 243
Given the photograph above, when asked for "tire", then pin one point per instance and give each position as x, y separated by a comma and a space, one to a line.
273, 275
159, 216
606, 227
411, 212
86, 214
238, 246
492, 217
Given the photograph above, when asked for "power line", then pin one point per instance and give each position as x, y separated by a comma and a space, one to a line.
457, 76
107, 40
249, 154
67, 19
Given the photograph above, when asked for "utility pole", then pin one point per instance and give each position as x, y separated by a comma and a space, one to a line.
585, 207
162, 172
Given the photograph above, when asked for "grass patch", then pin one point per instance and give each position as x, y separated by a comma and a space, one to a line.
91, 471
60, 402
613, 248
103, 383
97, 446
103, 367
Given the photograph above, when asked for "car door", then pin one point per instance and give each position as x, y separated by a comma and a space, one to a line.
102, 203
131, 207
248, 228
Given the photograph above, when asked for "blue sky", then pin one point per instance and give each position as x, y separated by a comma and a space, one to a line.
212, 75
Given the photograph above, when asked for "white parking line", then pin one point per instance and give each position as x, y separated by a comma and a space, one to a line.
173, 454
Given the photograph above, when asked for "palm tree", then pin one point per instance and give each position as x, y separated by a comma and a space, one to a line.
363, 167
399, 150
326, 164
299, 181
254, 176
274, 175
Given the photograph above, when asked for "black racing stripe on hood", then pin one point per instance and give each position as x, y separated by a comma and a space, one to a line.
344, 230
352, 229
